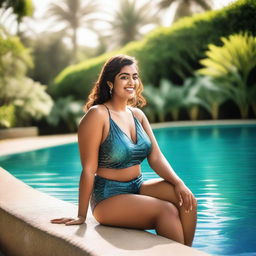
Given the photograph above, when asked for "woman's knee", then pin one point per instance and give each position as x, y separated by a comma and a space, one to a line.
194, 204
168, 208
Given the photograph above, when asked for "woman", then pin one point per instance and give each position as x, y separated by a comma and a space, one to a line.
114, 138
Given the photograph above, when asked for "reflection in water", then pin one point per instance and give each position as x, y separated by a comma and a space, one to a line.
217, 163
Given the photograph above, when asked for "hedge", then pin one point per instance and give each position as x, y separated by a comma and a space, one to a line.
167, 52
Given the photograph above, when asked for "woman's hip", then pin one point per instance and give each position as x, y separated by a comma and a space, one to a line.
104, 188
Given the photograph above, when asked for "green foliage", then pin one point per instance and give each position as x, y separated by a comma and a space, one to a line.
180, 47
77, 80
31, 100
205, 92
21, 8
14, 61
74, 14
66, 111
128, 20
7, 116
184, 43
231, 65
156, 103
14, 57
196, 92
237, 55
50, 55
191, 101
185, 7
28, 97
168, 98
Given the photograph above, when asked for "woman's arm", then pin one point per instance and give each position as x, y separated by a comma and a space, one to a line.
89, 139
161, 166
156, 159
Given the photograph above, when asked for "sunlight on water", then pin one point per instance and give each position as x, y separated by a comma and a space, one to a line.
217, 163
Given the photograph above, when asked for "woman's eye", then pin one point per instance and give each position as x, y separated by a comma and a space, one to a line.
124, 77
135, 78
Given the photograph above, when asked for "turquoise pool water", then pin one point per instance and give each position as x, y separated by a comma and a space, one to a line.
218, 164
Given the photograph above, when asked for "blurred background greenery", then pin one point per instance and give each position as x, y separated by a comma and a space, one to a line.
200, 65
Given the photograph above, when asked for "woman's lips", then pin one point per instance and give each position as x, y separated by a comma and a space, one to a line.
129, 89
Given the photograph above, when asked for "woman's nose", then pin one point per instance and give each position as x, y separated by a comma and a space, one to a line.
130, 82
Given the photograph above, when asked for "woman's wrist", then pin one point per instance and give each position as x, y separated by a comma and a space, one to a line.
81, 217
178, 182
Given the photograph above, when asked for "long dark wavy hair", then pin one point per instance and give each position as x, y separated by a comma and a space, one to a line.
100, 92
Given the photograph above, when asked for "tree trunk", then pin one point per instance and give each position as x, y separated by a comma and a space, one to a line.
215, 111
244, 110
254, 108
74, 42
193, 113
175, 114
161, 116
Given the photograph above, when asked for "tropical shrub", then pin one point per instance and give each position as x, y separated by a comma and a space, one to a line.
180, 47
19, 95
66, 111
231, 65
205, 92
196, 92
168, 98
29, 98
14, 57
50, 55
7, 118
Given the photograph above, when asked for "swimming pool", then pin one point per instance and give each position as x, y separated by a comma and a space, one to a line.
216, 162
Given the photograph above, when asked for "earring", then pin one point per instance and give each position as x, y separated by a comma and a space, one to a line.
110, 91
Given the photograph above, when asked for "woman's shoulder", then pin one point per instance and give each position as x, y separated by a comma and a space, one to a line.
138, 113
95, 112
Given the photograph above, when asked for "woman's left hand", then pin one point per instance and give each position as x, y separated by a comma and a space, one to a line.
185, 196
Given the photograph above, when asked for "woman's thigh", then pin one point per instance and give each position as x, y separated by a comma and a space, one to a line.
159, 188
130, 210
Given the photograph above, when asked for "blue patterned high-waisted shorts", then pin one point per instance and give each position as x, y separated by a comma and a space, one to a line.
104, 188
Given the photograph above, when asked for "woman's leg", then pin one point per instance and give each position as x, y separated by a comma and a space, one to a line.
140, 212
159, 188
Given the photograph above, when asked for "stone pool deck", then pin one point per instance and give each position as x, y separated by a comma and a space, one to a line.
25, 214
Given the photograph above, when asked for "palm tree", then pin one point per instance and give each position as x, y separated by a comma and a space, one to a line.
20, 8
127, 23
186, 7
74, 14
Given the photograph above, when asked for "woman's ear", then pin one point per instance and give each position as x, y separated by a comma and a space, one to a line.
110, 84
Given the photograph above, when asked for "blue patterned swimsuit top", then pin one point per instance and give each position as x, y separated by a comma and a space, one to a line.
119, 151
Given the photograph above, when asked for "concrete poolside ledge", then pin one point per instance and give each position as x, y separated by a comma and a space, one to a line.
17, 132
203, 123
19, 145
26, 230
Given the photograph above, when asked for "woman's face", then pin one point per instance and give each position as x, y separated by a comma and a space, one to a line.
126, 82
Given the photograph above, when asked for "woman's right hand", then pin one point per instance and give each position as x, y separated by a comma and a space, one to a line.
69, 221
